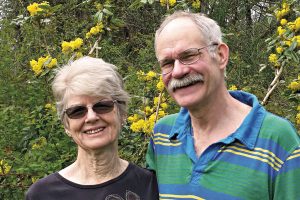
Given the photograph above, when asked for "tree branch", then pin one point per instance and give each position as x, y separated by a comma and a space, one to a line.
273, 85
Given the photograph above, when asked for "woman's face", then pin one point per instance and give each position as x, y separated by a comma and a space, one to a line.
93, 131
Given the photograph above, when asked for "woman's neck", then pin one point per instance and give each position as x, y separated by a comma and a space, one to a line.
94, 167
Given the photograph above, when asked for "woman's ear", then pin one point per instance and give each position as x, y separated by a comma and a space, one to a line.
68, 132
223, 55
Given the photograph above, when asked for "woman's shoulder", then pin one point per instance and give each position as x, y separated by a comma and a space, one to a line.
42, 184
140, 171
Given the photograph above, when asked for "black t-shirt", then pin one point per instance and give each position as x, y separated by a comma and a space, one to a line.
135, 183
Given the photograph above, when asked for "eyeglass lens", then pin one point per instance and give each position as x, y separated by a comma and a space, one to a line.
186, 57
80, 111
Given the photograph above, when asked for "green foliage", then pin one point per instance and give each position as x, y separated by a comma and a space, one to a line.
32, 139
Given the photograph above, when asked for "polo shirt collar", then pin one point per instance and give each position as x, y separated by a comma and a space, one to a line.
247, 133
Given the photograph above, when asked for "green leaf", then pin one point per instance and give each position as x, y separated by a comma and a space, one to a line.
270, 19
98, 16
107, 11
293, 45
294, 57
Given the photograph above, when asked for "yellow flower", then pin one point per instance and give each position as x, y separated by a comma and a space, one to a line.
36, 67
279, 50
98, 6
33, 63
50, 106
170, 2
160, 86
297, 24
40, 142
297, 38
285, 6
79, 54
52, 63
148, 110
298, 119
4, 167
232, 87
294, 86
95, 30
283, 22
76, 44
88, 35
33, 9
291, 25
280, 31
133, 118
66, 48
150, 75
34, 179
152, 117
164, 106
161, 113
287, 42
274, 60
196, 4
156, 100
137, 126
278, 14
148, 127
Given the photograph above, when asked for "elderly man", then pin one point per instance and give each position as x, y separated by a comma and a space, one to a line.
221, 145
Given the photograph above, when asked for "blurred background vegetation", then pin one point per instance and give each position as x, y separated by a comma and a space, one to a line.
36, 37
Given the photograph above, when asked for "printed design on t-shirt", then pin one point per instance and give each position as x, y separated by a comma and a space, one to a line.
129, 196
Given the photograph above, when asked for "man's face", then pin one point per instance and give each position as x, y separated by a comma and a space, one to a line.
194, 84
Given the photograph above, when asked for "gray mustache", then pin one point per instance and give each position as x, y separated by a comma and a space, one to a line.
185, 81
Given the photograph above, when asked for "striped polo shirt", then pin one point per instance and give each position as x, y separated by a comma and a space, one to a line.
259, 161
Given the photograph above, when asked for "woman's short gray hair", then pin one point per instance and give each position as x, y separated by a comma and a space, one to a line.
92, 77
209, 28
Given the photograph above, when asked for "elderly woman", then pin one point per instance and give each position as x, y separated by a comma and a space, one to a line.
92, 105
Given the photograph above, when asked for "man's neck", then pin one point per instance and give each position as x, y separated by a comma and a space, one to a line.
217, 120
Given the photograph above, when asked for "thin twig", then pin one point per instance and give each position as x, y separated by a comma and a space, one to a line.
157, 107
95, 45
273, 85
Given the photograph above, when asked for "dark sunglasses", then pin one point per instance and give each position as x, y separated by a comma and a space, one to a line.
101, 107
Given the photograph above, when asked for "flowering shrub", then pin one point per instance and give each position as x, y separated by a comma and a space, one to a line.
38, 8
151, 110
33, 142
69, 47
95, 30
37, 66
286, 41
295, 85
4, 167
167, 2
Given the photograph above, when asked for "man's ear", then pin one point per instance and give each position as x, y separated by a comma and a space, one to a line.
223, 55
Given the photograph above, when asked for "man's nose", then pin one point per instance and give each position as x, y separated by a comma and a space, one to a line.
179, 69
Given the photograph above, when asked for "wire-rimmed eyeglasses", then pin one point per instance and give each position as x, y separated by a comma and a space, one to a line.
187, 57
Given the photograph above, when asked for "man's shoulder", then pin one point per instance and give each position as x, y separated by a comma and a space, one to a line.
279, 130
168, 119
275, 122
